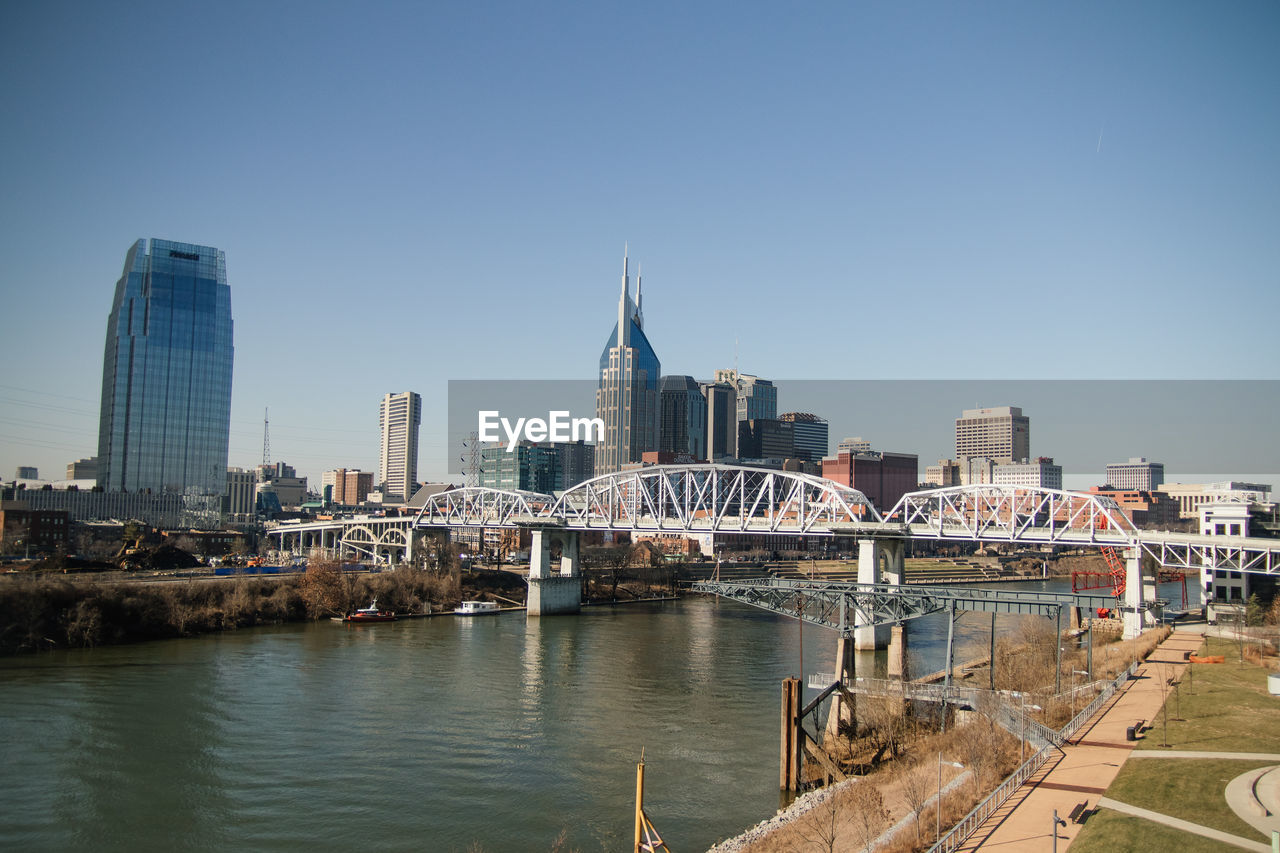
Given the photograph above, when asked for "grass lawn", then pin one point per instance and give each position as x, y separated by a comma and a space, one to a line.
1109, 832
1221, 708
1224, 707
1186, 788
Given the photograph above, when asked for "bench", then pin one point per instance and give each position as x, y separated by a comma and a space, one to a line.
1077, 814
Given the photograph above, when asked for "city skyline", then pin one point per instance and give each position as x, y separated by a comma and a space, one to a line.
934, 172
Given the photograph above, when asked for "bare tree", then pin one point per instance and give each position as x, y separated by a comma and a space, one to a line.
870, 818
820, 826
914, 780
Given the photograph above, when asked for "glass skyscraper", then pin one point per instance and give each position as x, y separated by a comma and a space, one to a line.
166, 374
627, 396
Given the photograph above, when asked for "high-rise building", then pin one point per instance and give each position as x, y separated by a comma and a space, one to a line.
238, 499
883, 477
577, 462
83, 469
722, 420
346, 486
166, 375
856, 444
999, 434
810, 434
1002, 434
945, 473
683, 424
627, 396
27, 472
398, 420
757, 399
526, 467
1137, 474
1041, 473
765, 438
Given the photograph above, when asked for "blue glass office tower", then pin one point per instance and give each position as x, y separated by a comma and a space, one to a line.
627, 396
166, 374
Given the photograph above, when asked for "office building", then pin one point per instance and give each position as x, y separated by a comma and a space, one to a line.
810, 435
756, 398
526, 467
1001, 434
1038, 473
83, 469
683, 421
166, 377
883, 477
1137, 474
627, 394
856, 444
1192, 496
398, 420
577, 462
722, 420
239, 496
764, 438
27, 472
346, 486
945, 473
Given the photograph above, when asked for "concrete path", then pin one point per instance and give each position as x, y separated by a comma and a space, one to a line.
1185, 753
1255, 798
1186, 826
1087, 766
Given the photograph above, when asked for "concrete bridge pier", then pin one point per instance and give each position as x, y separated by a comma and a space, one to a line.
871, 554
898, 651
843, 711
1135, 610
559, 592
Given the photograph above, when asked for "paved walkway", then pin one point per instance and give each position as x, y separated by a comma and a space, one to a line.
1085, 768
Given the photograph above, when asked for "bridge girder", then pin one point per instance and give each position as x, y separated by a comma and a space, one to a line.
988, 512
841, 605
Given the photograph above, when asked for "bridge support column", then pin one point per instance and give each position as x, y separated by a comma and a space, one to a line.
553, 593
843, 710
1135, 609
898, 652
869, 551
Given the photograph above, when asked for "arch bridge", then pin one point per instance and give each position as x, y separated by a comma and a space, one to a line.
722, 499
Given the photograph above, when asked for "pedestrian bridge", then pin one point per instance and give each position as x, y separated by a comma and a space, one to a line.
723, 499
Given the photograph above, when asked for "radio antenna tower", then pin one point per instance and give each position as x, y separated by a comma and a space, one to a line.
266, 438
471, 460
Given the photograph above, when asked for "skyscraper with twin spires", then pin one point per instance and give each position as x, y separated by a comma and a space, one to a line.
627, 397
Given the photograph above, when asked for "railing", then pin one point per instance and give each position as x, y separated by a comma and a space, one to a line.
1078, 721
969, 824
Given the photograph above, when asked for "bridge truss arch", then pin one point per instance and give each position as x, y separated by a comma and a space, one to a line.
1028, 514
476, 506
712, 499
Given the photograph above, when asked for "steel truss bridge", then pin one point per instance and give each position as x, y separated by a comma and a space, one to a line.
842, 605
726, 499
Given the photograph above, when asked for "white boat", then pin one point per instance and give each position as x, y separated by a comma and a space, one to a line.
476, 608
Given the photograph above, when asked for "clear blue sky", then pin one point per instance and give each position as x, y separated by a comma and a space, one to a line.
413, 192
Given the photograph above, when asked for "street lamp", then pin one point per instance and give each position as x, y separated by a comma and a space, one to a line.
1023, 698
937, 804
1074, 673
1057, 821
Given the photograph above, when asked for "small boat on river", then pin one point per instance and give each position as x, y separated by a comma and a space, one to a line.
371, 614
476, 608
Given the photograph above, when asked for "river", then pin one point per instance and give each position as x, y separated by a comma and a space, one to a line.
491, 733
